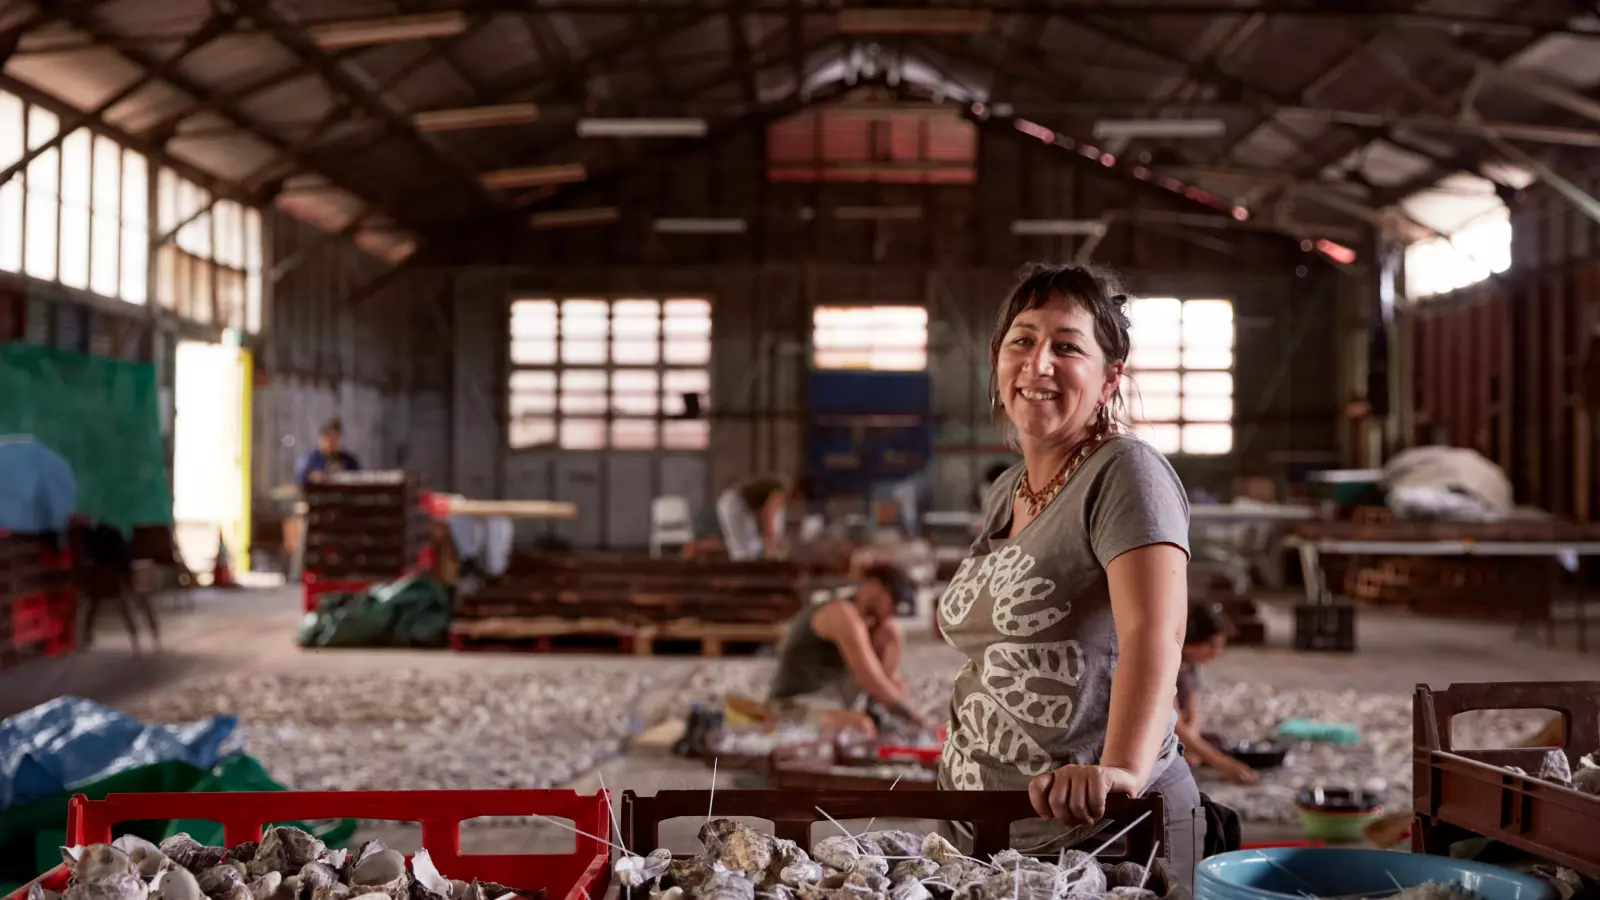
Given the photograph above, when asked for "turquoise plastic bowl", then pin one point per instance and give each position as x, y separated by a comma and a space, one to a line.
1292, 872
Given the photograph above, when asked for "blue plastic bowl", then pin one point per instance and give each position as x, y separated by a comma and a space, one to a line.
1292, 872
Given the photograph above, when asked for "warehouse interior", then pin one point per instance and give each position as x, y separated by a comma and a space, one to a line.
483, 395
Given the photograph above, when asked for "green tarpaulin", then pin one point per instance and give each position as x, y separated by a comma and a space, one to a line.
411, 612
103, 416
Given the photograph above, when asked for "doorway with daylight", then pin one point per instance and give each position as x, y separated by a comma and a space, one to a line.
211, 455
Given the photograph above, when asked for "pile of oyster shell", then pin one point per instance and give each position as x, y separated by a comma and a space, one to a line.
418, 729
740, 863
287, 864
1381, 762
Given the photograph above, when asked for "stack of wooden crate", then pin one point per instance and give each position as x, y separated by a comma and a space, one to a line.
38, 604
364, 526
629, 603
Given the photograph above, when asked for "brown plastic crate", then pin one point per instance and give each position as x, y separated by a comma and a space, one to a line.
1458, 794
793, 812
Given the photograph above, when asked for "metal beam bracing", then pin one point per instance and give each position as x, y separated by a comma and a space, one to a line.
215, 27
293, 38
283, 267
727, 75
87, 22
1523, 82
759, 118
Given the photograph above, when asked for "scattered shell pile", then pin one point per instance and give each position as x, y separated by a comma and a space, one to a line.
419, 729
928, 672
1555, 768
287, 864
755, 742
1381, 762
740, 863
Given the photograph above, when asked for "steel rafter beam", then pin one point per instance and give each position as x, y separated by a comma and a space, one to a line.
87, 22
1523, 82
293, 38
728, 74
760, 117
215, 27
1257, 96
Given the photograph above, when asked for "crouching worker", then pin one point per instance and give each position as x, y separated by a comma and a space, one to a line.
843, 648
1203, 641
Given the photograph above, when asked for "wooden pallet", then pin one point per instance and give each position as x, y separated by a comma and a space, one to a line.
551, 634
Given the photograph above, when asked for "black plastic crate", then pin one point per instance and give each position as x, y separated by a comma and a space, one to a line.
1325, 627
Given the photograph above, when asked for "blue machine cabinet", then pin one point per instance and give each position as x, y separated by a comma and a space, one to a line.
867, 429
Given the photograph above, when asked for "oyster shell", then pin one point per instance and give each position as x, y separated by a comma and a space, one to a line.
98, 863
36, 891
867, 880
634, 871
385, 871
737, 847
838, 851
801, 872
244, 852
191, 854
918, 868
176, 883
266, 887
425, 876
941, 851
285, 850
315, 878
875, 865
689, 874
1554, 767
147, 857
116, 887
219, 880
728, 886
1124, 874
671, 893
1132, 893
910, 888
891, 843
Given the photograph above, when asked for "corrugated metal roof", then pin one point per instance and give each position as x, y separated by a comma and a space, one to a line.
632, 64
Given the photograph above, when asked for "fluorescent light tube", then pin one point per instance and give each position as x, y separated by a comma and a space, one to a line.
1034, 227
535, 176
1160, 128
388, 30
701, 226
476, 117
625, 128
575, 218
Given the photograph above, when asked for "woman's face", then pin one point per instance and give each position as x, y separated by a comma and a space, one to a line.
1052, 374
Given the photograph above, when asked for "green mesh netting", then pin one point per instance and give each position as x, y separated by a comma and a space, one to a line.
103, 416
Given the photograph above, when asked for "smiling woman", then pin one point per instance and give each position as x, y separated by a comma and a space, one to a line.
1071, 608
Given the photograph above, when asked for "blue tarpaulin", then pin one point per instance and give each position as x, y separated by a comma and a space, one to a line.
37, 490
69, 740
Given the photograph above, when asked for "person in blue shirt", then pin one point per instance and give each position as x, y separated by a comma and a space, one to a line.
329, 456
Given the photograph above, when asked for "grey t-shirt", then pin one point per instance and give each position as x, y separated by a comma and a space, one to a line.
1032, 615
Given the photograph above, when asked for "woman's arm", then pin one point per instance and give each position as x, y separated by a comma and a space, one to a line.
842, 625
1149, 602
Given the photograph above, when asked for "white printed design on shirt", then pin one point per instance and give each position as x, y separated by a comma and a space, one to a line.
958, 599
1037, 683
964, 773
987, 728
1024, 606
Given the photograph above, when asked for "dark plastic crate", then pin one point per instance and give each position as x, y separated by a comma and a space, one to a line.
1325, 627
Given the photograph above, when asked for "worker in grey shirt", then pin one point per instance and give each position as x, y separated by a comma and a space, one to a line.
843, 646
1070, 608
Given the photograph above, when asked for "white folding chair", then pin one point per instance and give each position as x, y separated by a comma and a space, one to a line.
671, 523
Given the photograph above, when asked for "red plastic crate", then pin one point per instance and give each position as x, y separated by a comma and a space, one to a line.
899, 753
575, 876
315, 587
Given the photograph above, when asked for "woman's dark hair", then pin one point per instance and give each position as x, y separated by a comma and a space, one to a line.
1206, 621
1096, 290
755, 490
893, 580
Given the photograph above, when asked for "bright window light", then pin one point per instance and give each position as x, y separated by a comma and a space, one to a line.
592, 374
1440, 265
1179, 378
874, 338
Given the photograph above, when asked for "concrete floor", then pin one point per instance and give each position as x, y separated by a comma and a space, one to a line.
252, 631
